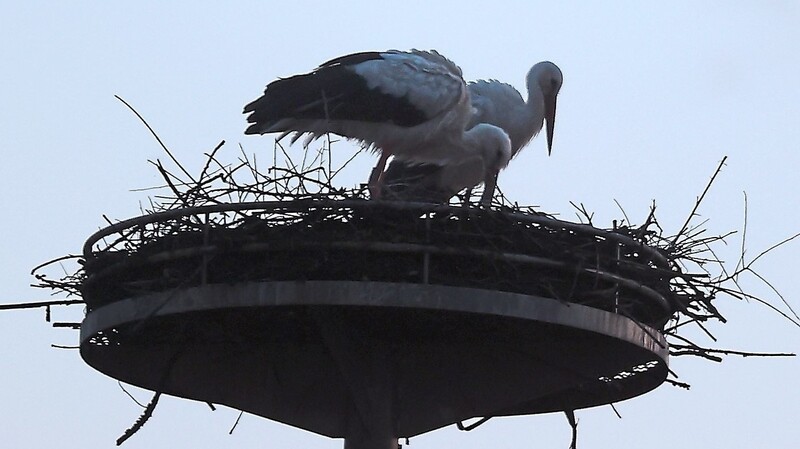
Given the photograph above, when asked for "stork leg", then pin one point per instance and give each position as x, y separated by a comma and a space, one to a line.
375, 182
488, 189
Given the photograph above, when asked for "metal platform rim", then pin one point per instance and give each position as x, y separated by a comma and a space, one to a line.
373, 294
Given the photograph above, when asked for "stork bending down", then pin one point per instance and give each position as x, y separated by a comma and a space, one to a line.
412, 105
498, 104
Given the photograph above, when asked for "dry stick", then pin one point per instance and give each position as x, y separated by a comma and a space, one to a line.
245, 160
775, 290
199, 189
305, 158
67, 325
211, 158
675, 383
130, 395
742, 295
696, 353
147, 189
692, 349
693, 233
707, 332
574, 424
192, 195
328, 149
741, 263
158, 139
56, 260
257, 176
651, 219
685, 340
699, 200
36, 305
148, 412
472, 426
284, 188
584, 212
286, 158
291, 175
746, 353
319, 161
165, 174
241, 412
748, 268
346, 163
615, 410
781, 243
623, 212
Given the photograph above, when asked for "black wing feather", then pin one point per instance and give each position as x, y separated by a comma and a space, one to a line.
331, 92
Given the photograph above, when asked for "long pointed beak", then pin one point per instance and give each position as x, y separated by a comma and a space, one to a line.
550, 120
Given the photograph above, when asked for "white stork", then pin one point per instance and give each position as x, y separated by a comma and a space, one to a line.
414, 105
409, 181
498, 104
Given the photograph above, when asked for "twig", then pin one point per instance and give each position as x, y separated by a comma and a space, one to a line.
148, 412
627, 221
472, 426
675, 383
615, 410
699, 200
241, 412
36, 305
130, 395
158, 139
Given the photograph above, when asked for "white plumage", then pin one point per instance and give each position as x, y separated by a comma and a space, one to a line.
410, 181
501, 105
414, 105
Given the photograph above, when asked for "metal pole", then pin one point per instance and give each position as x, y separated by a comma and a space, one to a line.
369, 377
370, 442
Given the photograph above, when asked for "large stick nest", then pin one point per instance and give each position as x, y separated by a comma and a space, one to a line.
239, 223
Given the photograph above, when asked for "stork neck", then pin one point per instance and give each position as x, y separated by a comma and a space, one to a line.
535, 105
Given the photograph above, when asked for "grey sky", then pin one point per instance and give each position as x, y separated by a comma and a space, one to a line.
653, 97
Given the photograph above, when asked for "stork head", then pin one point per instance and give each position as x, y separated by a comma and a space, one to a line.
546, 77
493, 146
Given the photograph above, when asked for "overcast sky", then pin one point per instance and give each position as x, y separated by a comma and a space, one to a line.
653, 98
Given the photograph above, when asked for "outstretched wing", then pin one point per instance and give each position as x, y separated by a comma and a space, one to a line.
403, 89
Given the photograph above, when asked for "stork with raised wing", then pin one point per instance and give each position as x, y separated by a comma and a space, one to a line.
413, 105
498, 104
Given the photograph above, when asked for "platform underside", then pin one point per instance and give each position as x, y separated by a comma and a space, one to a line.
334, 357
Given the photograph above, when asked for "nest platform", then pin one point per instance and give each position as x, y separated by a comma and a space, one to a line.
375, 320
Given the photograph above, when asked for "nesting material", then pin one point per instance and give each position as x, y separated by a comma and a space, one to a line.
238, 223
